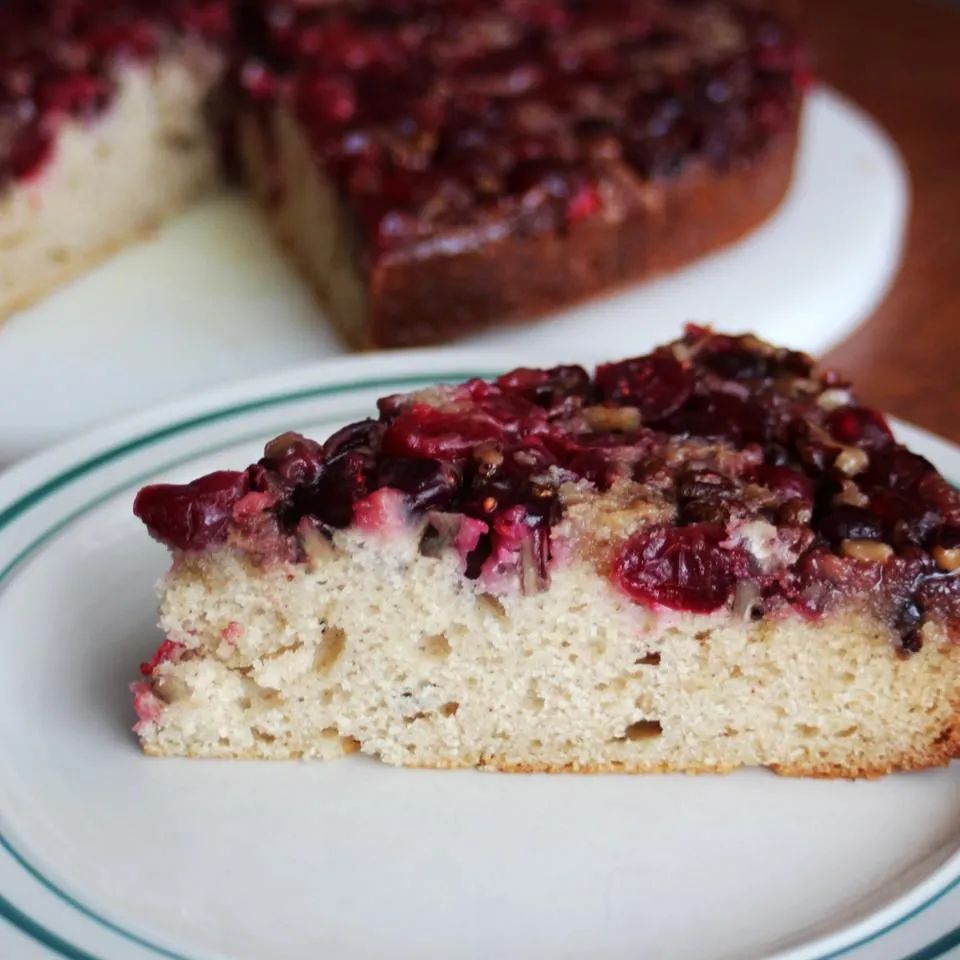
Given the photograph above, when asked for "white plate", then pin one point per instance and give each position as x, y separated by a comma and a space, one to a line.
109, 855
211, 299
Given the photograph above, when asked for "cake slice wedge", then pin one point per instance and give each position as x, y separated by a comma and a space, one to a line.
106, 129
704, 558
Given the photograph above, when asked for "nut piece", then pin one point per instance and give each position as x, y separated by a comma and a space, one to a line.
851, 495
948, 558
851, 461
622, 419
833, 398
871, 550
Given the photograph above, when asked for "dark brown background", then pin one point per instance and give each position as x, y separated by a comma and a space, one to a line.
900, 60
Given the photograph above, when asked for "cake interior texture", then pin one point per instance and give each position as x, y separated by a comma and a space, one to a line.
706, 558
107, 132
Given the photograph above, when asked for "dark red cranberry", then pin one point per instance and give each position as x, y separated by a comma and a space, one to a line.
907, 518
683, 568
354, 436
896, 468
845, 522
861, 426
325, 100
735, 362
424, 431
657, 385
428, 484
29, 153
789, 483
719, 415
342, 482
76, 94
297, 462
546, 388
191, 516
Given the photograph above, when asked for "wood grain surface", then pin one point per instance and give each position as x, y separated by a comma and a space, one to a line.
900, 60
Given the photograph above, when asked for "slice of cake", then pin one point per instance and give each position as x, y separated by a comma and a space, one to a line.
104, 128
437, 167
708, 557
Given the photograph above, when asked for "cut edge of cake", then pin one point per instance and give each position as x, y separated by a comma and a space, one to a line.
113, 179
373, 647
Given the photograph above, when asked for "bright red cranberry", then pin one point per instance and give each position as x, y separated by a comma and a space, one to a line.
683, 568
860, 425
168, 650
191, 516
657, 385
584, 203
425, 431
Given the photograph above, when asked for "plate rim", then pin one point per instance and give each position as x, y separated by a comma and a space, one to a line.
29, 483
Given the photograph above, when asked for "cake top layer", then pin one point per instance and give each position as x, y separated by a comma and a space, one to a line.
58, 60
432, 115
714, 471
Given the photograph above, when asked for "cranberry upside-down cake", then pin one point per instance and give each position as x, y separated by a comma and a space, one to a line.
708, 557
433, 167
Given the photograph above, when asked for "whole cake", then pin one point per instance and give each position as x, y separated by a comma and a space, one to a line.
433, 166
707, 557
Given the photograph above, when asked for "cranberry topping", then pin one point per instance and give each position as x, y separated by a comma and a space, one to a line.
759, 475
683, 568
656, 385
58, 61
191, 516
432, 116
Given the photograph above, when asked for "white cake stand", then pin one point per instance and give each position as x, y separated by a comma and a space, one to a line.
210, 299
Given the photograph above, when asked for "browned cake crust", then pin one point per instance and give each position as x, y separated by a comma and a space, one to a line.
432, 299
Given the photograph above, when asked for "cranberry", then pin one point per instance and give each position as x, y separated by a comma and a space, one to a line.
860, 425
898, 469
342, 482
428, 484
191, 516
734, 362
296, 463
168, 650
908, 519
657, 385
683, 568
324, 100
365, 434
785, 481
845, 522
584, 203
424, 431
546, 388
29, 153
719, 415
76, 94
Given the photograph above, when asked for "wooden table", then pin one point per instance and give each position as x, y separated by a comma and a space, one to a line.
900, 60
